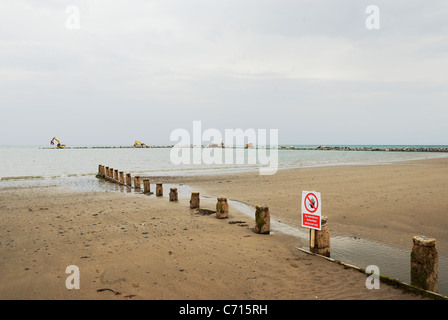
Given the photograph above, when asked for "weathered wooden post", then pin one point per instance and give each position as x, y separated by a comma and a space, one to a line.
194, 200
111, 173
159, 189
146, 186
222, 208
116, 175
99, 170
173, 194
262, 219
137, 182
424, 263
320, 239
121, 177
128, 179
106, 172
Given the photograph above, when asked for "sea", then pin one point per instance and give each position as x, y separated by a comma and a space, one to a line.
41, 162
76, 167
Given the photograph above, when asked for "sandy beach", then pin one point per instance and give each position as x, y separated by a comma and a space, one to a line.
388, 203
146, 247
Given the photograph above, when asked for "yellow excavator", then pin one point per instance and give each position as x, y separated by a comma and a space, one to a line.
249, 146
59, 145
138, 144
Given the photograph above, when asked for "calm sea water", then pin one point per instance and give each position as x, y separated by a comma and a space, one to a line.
21, 166
24, 163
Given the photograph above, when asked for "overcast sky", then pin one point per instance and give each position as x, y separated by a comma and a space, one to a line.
137, 70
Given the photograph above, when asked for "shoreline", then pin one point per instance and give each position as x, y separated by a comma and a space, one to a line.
225, 170
206, 181
248, 188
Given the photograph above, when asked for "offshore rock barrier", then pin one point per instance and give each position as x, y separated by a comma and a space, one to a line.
405, 149
330, 148
391, 149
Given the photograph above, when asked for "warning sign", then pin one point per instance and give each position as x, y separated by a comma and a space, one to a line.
311, 211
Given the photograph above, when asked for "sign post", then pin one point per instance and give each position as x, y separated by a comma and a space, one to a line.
311, 210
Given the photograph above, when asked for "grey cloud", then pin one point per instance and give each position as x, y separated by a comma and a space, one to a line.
230, 64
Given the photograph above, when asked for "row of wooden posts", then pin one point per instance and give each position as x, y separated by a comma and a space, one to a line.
262, 216
116, 176
424, 256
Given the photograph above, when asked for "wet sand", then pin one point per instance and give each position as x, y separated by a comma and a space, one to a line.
388, 203
152, 248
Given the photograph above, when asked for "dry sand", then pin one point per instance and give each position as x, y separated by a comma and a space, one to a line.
152, 248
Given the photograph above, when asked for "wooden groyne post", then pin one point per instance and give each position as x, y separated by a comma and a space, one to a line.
159, 189
146, 186
116, 175
222, 208
173, 194
262, 219
128, 179
101, 171
106, 172
137, 182
320, 239
194, 200
121, 177
424, 263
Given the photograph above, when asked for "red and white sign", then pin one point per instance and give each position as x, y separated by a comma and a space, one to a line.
311, 209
